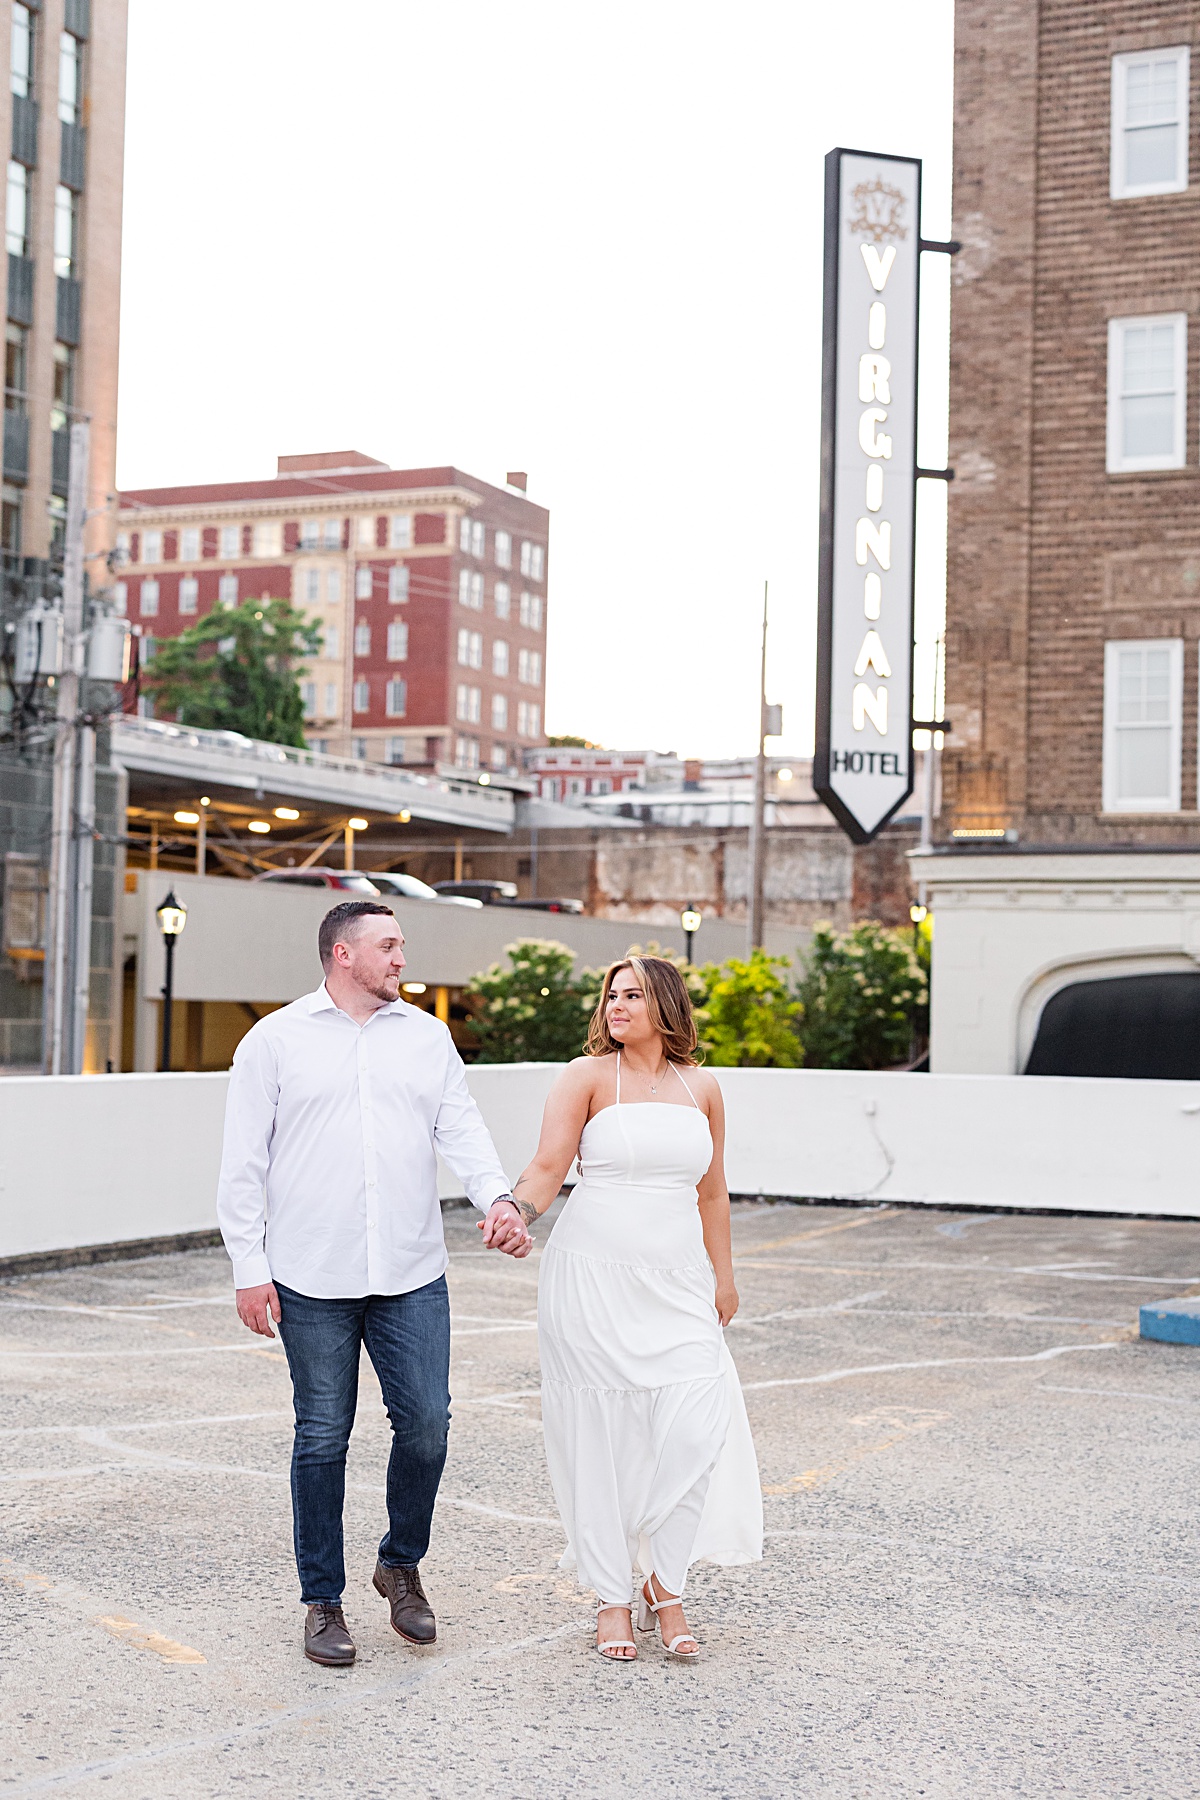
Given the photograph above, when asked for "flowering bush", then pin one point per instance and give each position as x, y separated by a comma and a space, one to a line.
535, 1009
749, 1018
865, 994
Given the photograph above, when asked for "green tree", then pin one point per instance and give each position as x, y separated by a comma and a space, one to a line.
865, 994
237, 671
534, 1009
750, 1017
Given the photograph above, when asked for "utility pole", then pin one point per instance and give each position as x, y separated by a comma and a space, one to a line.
754, 919
73, 810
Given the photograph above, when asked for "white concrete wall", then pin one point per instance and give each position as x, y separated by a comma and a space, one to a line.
102, 1159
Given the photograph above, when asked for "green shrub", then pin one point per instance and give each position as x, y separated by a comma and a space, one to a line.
865, 995
749, 1020
535, 1009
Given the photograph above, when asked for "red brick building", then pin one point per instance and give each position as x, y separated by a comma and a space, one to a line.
429, 586
1073, 613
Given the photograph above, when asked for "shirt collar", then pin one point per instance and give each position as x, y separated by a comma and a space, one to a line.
321, 1000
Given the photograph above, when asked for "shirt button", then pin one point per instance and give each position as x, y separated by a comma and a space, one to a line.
371, 1182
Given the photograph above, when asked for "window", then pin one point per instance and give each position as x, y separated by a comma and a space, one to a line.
16, 340
123, 547
468, 701
526, 558
362, 695
397, 641
477, 592
66, 232
503, 599
364, 531
331, 700
308, 697
227, 591
400, 536
189, 537
503, 550
121, 597
1149, 151
499, 713
152, 547
331, 535
64, 386
16, 210
10, 518
231, 540
531, 611
397, 697
537, 562
529, 719
395, 749
310, 583
148, 600
359, 747
333, 587
333, 647
362, 582
470, 590
529, 667
268, 538
470, 649
1147, 360
464, 534
398, 583
310, 534
466, 752
500, 657
362, 638
477, 537
1143, 706
189, 594
21, 63
70, 78
499, 756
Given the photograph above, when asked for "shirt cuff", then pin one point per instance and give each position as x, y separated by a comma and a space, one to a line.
251, 1271
489, 1191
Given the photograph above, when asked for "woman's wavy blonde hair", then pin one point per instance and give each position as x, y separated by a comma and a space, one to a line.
668, 1004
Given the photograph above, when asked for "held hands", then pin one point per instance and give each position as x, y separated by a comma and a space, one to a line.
257, 1306
504, 1229
727, 1301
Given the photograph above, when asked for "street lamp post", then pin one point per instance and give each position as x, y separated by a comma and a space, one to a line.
691, 921
172, 917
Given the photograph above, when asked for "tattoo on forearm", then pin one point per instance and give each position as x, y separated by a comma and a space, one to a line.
527, 1210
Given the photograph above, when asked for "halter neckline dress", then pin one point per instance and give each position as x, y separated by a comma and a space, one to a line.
647, 1438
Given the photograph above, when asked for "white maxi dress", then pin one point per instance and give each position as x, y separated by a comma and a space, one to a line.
647, 1438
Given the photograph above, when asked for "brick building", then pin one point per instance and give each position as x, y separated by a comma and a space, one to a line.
1073, 613
429, 586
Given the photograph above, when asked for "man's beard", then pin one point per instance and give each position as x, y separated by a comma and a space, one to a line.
382, 991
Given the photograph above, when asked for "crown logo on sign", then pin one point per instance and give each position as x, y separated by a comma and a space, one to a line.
876, 211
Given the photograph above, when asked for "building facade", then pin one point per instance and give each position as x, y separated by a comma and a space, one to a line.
429, 587
1073, 611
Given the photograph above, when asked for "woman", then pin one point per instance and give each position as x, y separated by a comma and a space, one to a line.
647, 1438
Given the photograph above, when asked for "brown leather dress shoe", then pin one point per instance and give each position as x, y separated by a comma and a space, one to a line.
412, 1615
326, 1639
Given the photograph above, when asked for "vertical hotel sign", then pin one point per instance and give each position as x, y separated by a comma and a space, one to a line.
863, 763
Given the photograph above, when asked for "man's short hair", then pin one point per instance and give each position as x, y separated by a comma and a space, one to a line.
343, 922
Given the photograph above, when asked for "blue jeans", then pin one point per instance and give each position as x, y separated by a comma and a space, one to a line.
408, 1341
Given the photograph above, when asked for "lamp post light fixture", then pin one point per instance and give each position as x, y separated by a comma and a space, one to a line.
352, 825
691, 920
917, 913
172, 917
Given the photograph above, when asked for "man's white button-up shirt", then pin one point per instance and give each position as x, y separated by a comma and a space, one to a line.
328, 1172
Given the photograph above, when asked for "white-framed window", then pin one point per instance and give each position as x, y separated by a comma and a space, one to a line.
397, 697
363, 581
123, 546
331, 699
364, 531
310, 585
529, 667
466, 752
464, 587
398, 584
400, 534
1149, 153
362, 695
268, 538
359, 747
331, 534
464, 534
333, 646
526, 557
395, 749
333, 587
189, 594
499, 756
227, 591
1143, 724
397, 641
148, 599
537, 562
189, 544
16, 215
362, 638
470, 649
467, 704
152, 546
499, 713
531, 610
231, 540
529, 719
308, 698
478, 537
504, 550
310, 534
70, 78
503, 597
500, 657
121, 597
1147, 393
477, 592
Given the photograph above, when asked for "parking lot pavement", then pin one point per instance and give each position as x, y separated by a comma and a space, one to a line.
981, 1573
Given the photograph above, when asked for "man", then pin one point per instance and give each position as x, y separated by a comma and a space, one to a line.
329, 1209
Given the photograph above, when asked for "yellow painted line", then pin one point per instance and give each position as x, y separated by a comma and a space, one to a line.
801, 1237
129, 1632
904, 1428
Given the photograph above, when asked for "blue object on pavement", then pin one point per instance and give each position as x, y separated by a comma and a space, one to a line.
1171, 1321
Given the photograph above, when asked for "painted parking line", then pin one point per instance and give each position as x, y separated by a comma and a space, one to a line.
128, 1631
939, 1362
80, 1605
905, 1422
821, 1231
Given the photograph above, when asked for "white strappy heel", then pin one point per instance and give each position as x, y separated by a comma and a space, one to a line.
614, 1644
647, 1620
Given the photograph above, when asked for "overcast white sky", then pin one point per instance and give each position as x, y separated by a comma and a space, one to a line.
576, 239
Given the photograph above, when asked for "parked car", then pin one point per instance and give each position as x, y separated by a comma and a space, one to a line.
350, 881
503, 893
409, 887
